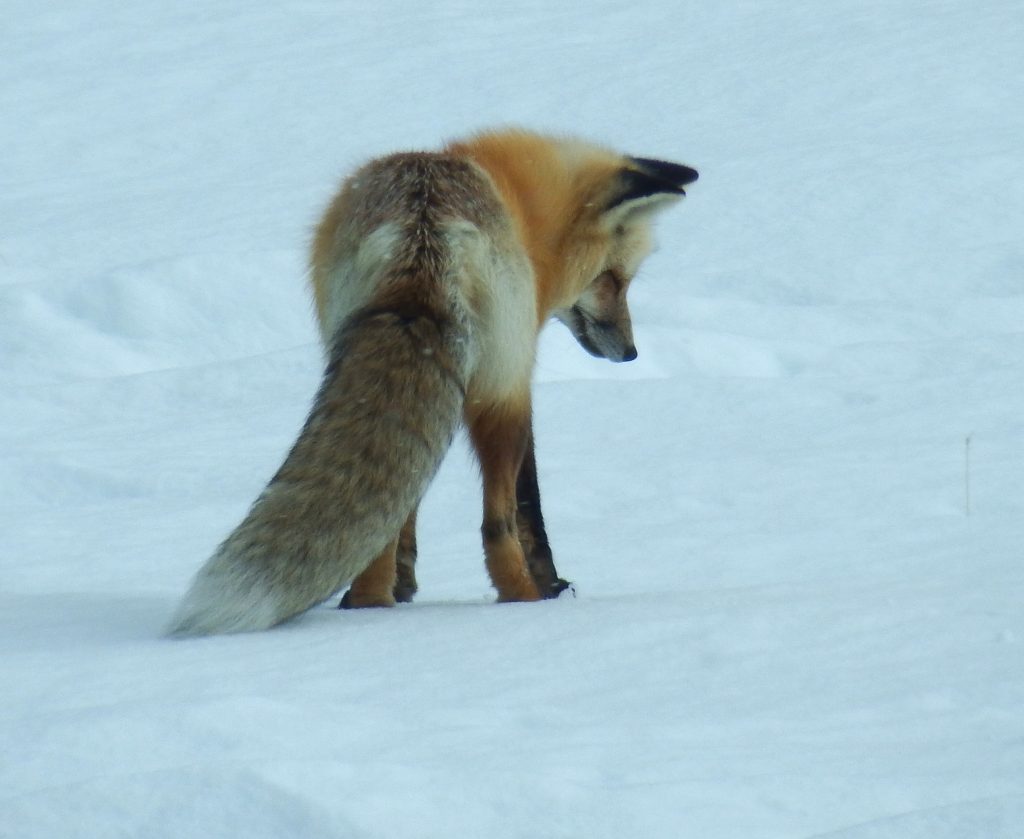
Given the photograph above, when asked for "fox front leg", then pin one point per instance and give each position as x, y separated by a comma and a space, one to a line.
499, 434
532, 535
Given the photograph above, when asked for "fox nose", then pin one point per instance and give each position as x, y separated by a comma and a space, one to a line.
629, 353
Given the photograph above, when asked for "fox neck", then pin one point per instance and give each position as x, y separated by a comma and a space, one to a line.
536, 186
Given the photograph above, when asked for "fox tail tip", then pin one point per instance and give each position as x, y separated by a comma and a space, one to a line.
212, 607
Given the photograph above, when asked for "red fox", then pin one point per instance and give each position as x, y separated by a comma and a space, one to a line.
433, 274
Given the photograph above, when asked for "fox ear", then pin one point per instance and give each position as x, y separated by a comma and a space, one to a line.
672, 173
648, 186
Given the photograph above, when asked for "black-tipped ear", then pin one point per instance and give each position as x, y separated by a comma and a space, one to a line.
635, 185
673, 173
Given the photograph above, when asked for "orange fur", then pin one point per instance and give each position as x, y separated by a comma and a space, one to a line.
375, 586
553, 191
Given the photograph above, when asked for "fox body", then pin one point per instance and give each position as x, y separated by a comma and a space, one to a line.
433, 274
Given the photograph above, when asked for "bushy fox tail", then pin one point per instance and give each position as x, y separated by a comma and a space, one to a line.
382, 421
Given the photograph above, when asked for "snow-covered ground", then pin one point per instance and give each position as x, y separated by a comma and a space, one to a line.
796, 616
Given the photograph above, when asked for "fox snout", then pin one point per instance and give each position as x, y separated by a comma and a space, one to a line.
599, 320
610, 339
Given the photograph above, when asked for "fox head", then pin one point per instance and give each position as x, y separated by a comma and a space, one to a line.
585, 215
619, 222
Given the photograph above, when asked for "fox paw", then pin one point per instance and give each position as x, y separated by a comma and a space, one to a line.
555, 589
348, 601
405, 585
551, 589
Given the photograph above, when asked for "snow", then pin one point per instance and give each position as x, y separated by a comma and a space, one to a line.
789, 623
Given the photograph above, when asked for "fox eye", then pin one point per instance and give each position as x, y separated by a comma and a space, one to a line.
606, 288
611, 280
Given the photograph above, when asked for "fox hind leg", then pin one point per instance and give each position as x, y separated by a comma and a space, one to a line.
405, 586
376, 585
405, 558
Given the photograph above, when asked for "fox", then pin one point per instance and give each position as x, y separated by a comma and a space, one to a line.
433, 273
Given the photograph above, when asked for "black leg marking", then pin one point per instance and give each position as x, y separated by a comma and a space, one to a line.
405, 561
532, 535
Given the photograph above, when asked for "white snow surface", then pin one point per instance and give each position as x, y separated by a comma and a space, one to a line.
799, 607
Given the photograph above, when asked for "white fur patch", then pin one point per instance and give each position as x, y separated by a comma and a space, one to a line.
633, 246
501, 283
352, 280
641, 208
